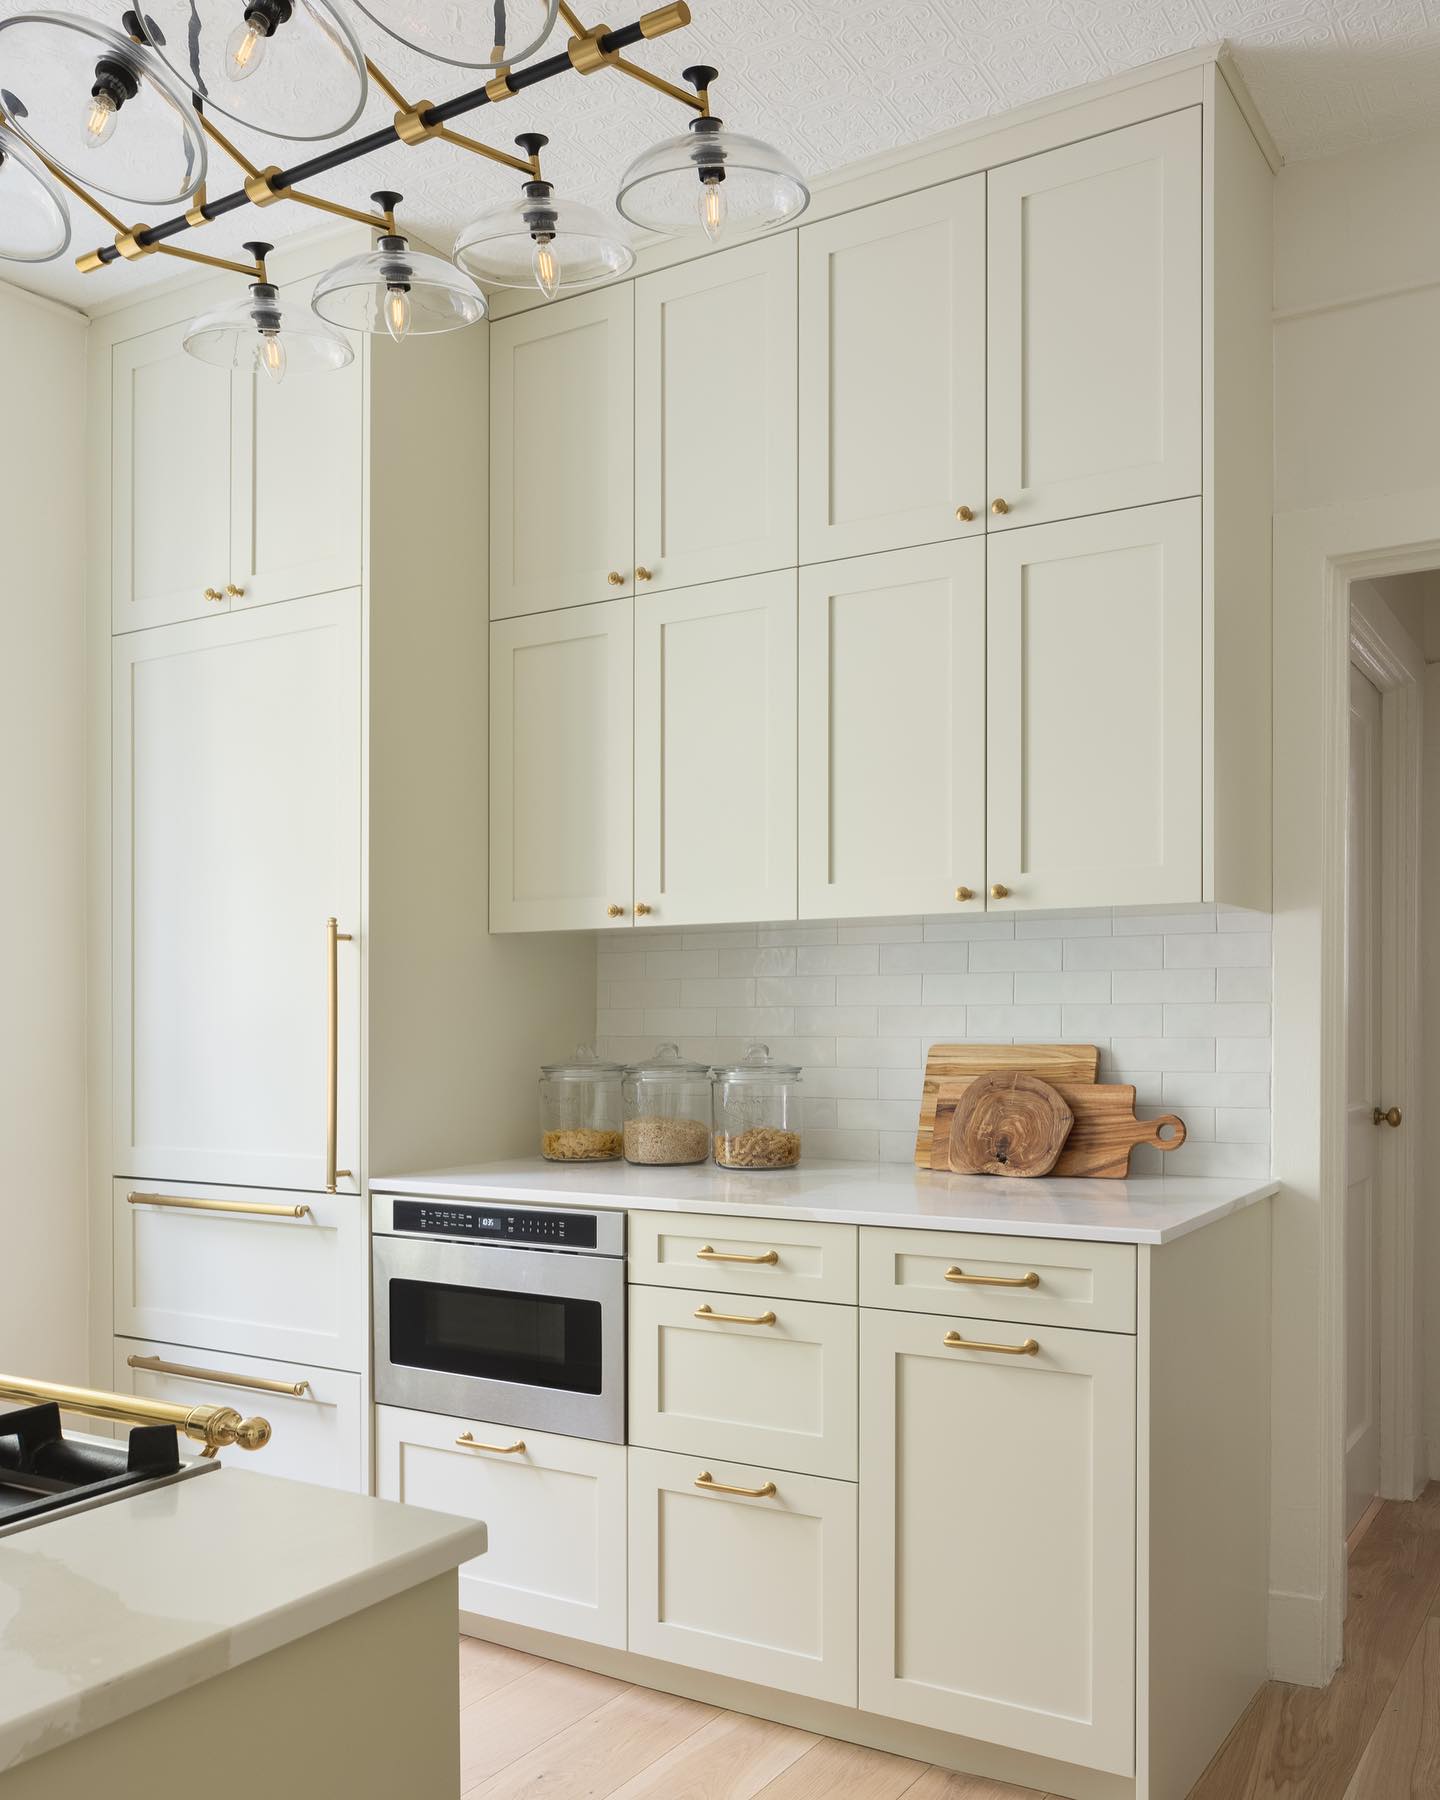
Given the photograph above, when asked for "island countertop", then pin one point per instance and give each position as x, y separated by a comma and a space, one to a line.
1152, 1210
108, 1611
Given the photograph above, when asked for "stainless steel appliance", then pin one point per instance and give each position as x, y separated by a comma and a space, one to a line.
510, 1314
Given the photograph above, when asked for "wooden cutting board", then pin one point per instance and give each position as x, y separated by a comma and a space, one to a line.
1101, 1139
1005, 1124
950, 1062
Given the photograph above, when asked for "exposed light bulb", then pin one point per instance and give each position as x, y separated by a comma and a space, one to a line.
712, 208
272, 355
397, 312
245, 47
101, 116
546, 265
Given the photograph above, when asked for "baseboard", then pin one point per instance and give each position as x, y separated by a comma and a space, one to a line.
1297, 1639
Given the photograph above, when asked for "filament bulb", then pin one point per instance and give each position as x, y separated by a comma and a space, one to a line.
272, 355
397, 312
245, 47
101, 115
546, 265
712, 208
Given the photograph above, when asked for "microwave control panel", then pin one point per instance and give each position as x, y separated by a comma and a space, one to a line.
564, 1230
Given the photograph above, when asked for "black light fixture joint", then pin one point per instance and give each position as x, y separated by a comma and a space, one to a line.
700, 75
532, 142
116, 79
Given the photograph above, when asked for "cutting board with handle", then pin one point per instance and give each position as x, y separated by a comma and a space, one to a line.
1100, 1141
955, 1062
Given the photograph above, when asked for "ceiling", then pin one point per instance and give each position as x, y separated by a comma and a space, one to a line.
829, 81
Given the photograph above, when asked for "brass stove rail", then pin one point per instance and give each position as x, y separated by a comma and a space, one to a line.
214, 1427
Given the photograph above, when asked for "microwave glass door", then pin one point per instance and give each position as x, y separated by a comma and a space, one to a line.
532, 1340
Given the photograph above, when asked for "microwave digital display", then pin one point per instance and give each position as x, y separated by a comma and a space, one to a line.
496, 1224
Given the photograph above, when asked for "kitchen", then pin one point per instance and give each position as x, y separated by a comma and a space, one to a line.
853, 572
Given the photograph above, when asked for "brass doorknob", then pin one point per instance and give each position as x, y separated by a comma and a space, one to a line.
641, 909
1391, 1117
612, 911
642, 573
964, 893
999, 891
964, 512
999, 506
213, 594
615, 578
235, 593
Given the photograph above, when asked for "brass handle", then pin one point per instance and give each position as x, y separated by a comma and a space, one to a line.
642, 573
334, 937
1391, 1118
706, 1254
998, 507
954, 1341
1032, 1280
235, 593
999, 891
964, 512
213, 594
466, 1441
964, 893
641, 909
260, 1209
259, 1384
710, 1485
612, 911
615, 578
706, 1312
215, 1427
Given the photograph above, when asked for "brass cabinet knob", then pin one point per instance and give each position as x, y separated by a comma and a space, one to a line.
235, 593
612, 911
642, 573
213, 594
964, 512
615, 578
999, 506
999, 891
1391, 1118
641, 909
964, 893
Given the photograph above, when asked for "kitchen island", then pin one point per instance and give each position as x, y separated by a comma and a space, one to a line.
236, 1632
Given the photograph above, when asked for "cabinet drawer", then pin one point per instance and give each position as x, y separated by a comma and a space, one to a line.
725, 1255
720, 1376
1042, 1281
317, 1433
555, 1512
757, 1585
240, 1269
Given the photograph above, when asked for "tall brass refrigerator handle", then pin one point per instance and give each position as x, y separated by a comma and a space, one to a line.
334, 937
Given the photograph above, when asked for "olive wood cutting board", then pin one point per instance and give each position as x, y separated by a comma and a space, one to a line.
949, 1062
1100, 1141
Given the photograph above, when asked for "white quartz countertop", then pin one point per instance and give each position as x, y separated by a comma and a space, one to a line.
1150, 1211
111, 1610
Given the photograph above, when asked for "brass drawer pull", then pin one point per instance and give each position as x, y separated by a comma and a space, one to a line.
707, 1482
334, 937
235, 593
705, 1312
706, 1254
467, 1441
954, 1341
257, 1384
259, 1209
1032, 1280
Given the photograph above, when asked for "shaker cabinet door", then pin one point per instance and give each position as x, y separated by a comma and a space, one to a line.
236, 835
1094, 323
560, 769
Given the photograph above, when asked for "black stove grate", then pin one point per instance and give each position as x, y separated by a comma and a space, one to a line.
41, 1469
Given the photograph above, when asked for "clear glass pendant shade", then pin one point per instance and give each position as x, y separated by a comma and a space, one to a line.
399, 291
100, 107
34, 219
540, 241
269, 334
472, 34
711, 182
290, 68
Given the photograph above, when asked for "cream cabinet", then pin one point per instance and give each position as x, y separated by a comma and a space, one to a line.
790, 1259
997, 1546
892, 374
561, 722
742, 1571
554, 1507
892, 733
562, 427
715, 416
1094, 690
1094, 323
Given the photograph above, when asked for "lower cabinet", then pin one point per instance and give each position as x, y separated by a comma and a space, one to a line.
742, 1571
997, 1560
314, 1414
554, 1507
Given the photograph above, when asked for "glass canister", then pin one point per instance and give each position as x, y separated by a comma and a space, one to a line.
757, 1112
581, 1109
667, 1109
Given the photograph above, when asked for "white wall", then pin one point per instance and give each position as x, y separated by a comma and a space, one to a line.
43, 1248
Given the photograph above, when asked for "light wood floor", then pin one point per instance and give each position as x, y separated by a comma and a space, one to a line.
530, 1728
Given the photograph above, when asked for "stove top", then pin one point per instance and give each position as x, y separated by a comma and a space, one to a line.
44, 1474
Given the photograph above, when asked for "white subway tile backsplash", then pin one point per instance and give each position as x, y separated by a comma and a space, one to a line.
1178, 1003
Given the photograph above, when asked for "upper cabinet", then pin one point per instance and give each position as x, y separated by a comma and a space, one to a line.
892, 374
1094, 324
562, 435
715, 417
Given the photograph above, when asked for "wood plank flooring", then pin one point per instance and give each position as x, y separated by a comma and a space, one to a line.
531, 1729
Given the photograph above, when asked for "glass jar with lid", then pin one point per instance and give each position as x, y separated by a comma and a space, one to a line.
667, 1109
580, 1109
757, 1112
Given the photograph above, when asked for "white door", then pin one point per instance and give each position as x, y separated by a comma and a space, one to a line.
1094, 323
1093, 637
237, 775
715, 752
715, 416
562, 473
892, 373
1362, 1140
997, 1533
296, 481
169, 483
892, 733
560, 769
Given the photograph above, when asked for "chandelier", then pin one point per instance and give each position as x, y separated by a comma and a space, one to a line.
130, 114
